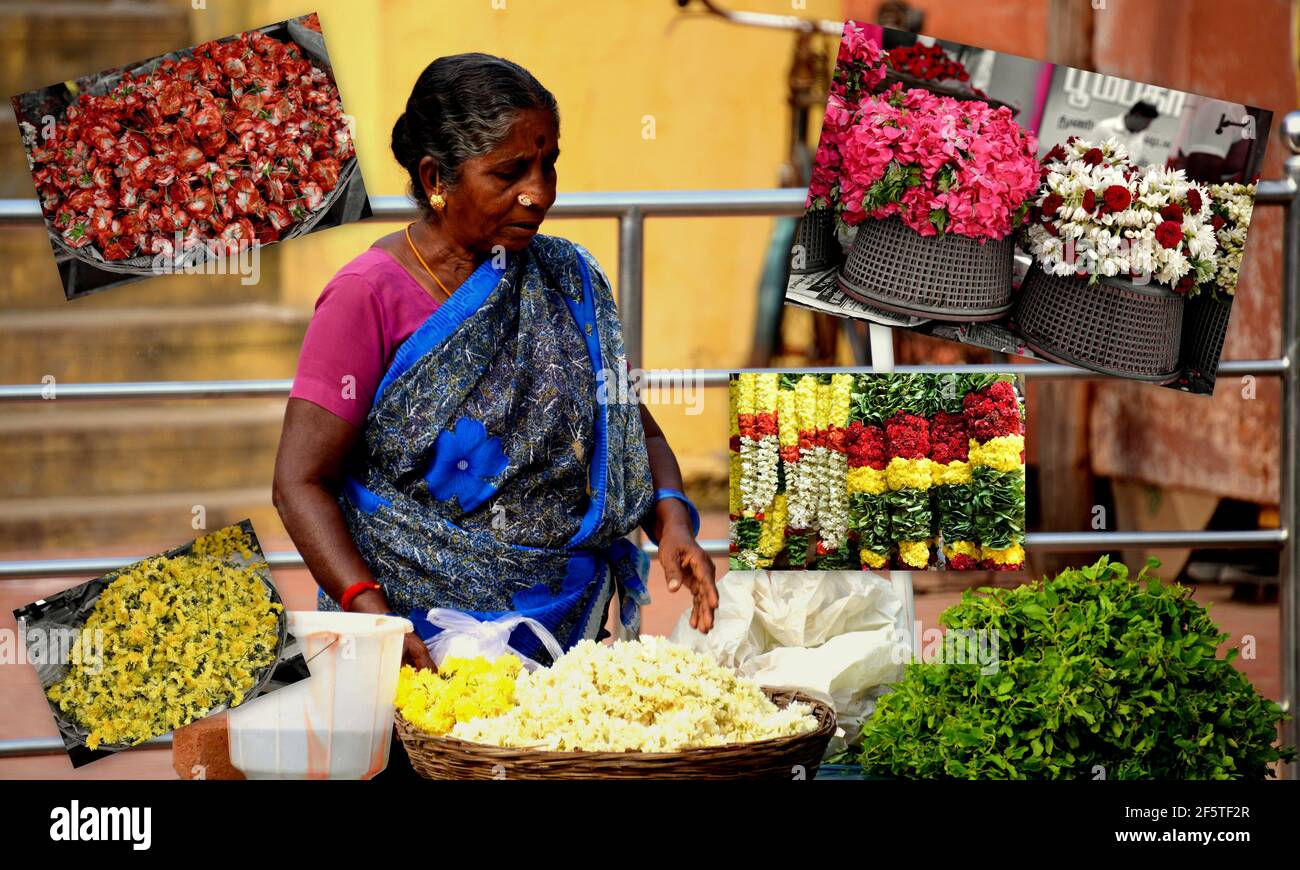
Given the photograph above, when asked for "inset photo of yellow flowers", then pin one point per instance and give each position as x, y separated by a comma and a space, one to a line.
160, 643
845, 471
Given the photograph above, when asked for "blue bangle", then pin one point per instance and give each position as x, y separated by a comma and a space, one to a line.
660, 495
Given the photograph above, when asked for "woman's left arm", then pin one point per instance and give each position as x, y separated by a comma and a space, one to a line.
684, 560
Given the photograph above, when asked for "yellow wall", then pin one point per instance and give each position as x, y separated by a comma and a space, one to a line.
718, 96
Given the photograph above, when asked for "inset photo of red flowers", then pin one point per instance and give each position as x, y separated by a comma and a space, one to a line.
1028, 208
191, 161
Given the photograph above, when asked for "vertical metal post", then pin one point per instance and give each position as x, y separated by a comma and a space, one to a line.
1289, 446
631, 280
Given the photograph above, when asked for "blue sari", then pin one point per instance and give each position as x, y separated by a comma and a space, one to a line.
491, 478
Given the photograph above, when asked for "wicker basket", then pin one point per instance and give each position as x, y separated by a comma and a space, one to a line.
783, 758
945, 277
1112, 326
1205, 323
815, 238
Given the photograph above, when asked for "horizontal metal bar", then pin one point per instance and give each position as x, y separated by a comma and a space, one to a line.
1278, 191
1040, 541
28, 746
596, 204
655, 378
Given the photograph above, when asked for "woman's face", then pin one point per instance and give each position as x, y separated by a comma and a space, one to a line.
483, 210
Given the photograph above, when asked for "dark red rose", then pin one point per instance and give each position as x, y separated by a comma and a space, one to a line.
1056, 154
1217, 222
1089, 200
1194, 200
1116, 197
1093, 156
1169, 234
1185, 284
1172, 212
1050, 204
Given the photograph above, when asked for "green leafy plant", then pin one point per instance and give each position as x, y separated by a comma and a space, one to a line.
1098, 675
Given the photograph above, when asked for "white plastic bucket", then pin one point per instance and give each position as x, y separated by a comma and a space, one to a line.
336, 724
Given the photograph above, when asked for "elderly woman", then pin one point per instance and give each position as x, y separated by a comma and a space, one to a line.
448, 442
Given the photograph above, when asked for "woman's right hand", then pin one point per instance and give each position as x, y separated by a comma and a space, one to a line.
416, 654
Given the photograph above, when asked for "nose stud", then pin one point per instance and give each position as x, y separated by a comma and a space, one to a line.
525, 200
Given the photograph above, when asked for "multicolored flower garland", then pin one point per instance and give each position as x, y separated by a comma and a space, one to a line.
877, 470
997, 460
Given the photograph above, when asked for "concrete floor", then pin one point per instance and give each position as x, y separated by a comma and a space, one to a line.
27, 715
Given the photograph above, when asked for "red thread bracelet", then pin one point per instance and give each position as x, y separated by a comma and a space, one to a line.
345, 601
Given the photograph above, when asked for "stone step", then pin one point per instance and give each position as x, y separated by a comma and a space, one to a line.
31, 282
144, 523
151, 343
55, 449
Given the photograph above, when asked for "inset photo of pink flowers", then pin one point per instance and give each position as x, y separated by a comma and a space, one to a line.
1028, 208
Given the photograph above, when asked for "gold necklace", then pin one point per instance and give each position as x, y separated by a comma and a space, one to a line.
416, 251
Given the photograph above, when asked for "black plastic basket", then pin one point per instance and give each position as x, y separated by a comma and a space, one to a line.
944, 277
815, 246
1112, 326
1205, 324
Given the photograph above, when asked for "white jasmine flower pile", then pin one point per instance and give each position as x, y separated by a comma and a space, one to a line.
649, 695
1231, 206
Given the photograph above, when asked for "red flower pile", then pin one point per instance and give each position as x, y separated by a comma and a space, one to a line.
234, 144
865, 445
908, 436
992, 412
949, 441
927, 62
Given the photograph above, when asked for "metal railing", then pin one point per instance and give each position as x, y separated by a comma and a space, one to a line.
631, 211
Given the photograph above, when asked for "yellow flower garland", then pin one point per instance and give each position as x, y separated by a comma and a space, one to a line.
765, 390
745, 395
962, 548
867, 479
841, 399
787, 419
1013, 555
914, 553
734, 501
1001, 453
908, 473
871, 559
954, 473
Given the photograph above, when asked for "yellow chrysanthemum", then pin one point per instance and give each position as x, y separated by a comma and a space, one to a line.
733, 402
872, 559
841, 399
461, 690
908, 473
1001, 453
954, 473
746, 394
961, 548
866, 479
805, 400
914, 553
823, 406
168, 640
734, 501
772, 534
787, 419
1013, 555
766, 387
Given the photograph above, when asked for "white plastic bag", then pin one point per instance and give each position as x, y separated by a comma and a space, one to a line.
463, 636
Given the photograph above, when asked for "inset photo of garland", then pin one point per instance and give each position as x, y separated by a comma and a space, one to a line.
874, 471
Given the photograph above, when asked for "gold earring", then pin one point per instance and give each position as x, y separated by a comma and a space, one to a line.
437, 201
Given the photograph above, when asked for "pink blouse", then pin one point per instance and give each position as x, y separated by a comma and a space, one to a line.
364, 313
